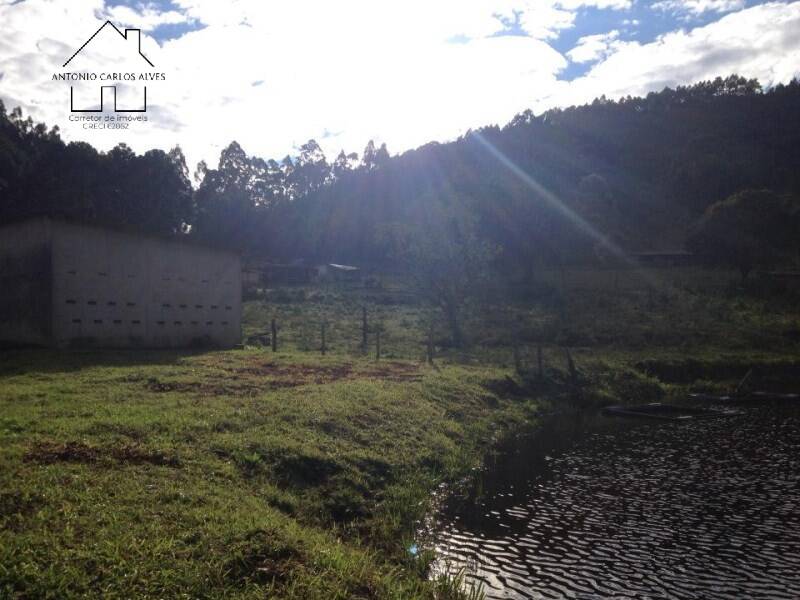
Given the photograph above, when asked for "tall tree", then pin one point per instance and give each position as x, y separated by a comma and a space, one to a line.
445, 258
228, 211
311, 170
343, 164
753, 228
369, 155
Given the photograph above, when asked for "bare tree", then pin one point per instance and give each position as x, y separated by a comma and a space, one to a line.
446, 260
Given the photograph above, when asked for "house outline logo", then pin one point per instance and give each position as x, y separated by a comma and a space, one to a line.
112, 87
124, 36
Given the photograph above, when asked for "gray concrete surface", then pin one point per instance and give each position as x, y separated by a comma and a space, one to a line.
108, 288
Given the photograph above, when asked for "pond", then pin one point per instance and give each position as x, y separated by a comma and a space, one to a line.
590, 506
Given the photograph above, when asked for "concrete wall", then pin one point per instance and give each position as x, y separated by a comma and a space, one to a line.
25, 284
117, 289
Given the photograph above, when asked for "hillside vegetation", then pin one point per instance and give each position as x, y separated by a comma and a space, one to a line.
546, 188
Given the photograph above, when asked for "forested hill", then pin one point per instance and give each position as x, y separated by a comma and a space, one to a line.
639, 171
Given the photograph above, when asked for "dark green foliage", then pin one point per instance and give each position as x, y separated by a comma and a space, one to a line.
752, 228
445, 258
567, 186
570, 185
231, 199
41, 175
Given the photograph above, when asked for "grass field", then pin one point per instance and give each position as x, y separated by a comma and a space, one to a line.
252, 474
228, 474
597, 313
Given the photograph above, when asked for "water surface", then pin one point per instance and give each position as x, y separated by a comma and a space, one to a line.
592, 506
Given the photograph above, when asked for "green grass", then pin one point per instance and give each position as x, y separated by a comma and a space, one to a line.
248, 474
228, 474
644, 311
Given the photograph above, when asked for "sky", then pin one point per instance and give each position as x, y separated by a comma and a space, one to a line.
272, 75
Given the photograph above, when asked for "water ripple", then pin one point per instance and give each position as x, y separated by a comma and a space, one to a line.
592, 507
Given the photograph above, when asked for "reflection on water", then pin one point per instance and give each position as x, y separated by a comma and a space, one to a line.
593, 506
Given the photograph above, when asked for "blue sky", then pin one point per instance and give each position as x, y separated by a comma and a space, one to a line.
274, 74
165, 31
641, 23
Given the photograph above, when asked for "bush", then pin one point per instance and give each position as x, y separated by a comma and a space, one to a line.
284, 295
750, 229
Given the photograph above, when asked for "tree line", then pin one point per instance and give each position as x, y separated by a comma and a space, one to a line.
568, 185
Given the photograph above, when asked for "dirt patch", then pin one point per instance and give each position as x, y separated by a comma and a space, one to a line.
252, 379
223, 388
155, 385
294, 375
78, 452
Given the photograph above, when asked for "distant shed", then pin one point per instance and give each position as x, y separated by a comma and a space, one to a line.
337, 272
65, 284
274, 274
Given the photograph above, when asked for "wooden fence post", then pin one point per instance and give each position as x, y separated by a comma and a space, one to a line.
364, 329
573, 375
540, 361
430, 343
274, 335
744, 379
323, 338
517, 359
377, 344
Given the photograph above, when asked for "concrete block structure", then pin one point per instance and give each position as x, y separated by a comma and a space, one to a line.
64, 284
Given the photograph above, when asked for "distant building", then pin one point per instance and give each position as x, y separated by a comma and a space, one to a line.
274, 274
63, 284
335, 272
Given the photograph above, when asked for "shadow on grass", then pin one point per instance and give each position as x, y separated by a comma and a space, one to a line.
36, 360
53, 452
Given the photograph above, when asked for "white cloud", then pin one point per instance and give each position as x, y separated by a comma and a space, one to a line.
147, 18
545, 19
600, 4
591, 48
698, 7
365, 69
757, 42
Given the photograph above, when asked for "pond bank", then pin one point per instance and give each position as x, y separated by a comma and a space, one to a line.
595, 506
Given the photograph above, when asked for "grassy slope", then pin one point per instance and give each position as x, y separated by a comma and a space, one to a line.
603, 315
238, 473
227, 473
